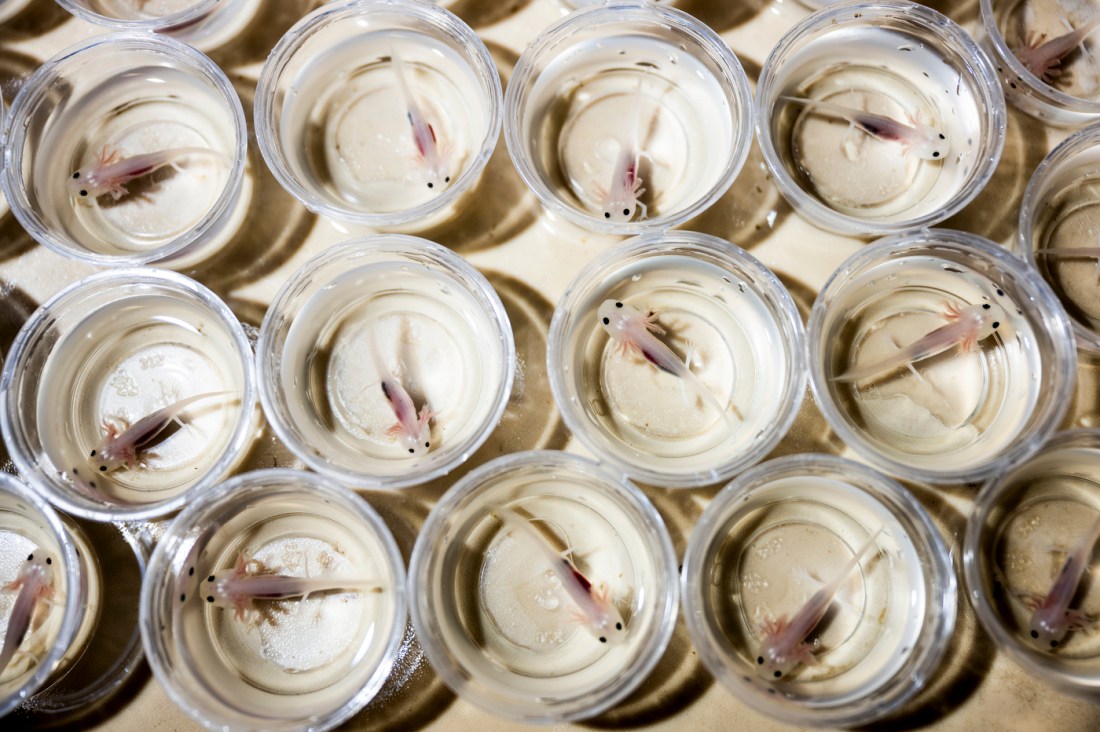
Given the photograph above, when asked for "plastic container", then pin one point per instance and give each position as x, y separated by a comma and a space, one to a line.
491, 612
945, 410
103, 354
774, 537
734, 343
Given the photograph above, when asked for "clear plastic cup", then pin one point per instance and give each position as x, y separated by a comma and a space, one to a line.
880, 64
723, 318
1059, 218
945, 410
30, 527
491, 612
385, 362
1025, 525
770, 540
93, 110
293, 663
379, 112
628, 117
1066, 93
197, 22
107, 352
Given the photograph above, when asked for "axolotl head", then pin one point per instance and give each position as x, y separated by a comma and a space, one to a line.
929, 143
778, 653
608, 626
986, 318
616, 317
38, 568
1047, 629
110, 454
619, 209
84, 184
220, 590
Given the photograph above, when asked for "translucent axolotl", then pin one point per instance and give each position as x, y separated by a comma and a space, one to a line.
922, 140
966, 327
1052, 618
412, 430
429, 152
111, 173
121, 448
1041, 58
596, 611
634, 331
239, 587
783, 645
35, 584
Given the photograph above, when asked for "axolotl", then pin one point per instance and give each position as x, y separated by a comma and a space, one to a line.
121, 448
922, 140
35, 584
1041, 58
966, 327
597, 612
634, 331
783, 645
1052, 618
240, 586
111, 173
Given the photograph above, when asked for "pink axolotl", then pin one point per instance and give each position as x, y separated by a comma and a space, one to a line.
966, 327
922, 140
239, 587
110, 174
783, 645
121, 448
634, 331
35, 584
596, 612
429, 152
412, 430
1052, 618
1040, 60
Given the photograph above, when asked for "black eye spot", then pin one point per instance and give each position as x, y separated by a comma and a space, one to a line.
759, 660
447, 179
412, 451
191, 572
93, 453
986, 306
427, 444
210, 598
183, 597
626, 212
30, 557
1012, 84
936, 154
1000, 292
83, 193
618, 626
76, 472
602, 639
1054, 644
1034, 634
942, 136
49, 560
76, 175
777, 674
430, 185
91, 483
618, 304
210, 578
607, 321
607, 214
996, 324
103, 468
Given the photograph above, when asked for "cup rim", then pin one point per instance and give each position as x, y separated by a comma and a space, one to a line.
388, 244
271, 147
1077, 143
937, 566
30, 96
655, 246
456, 677
832, 17
163, 23
1051, 311
262, 482
74, 595
1037, 665
639, 11
120, 280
